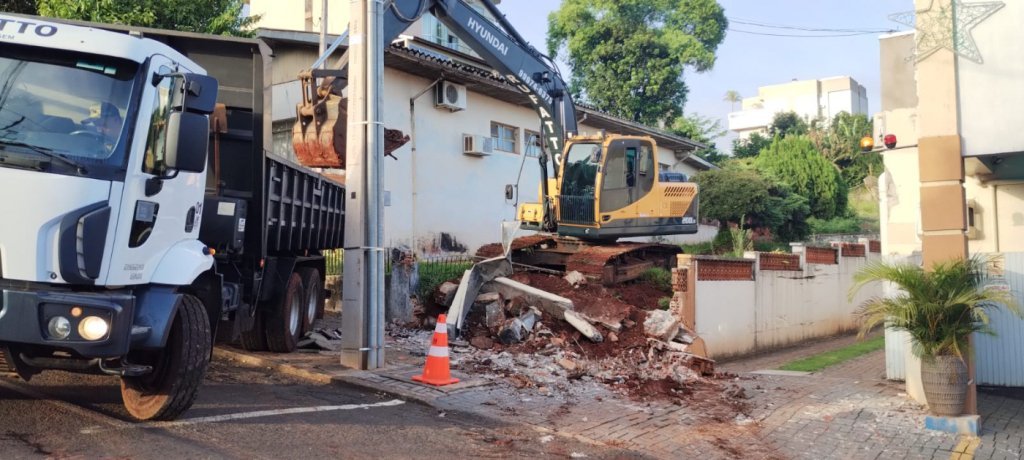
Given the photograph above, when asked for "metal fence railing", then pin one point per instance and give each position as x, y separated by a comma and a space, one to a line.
434, 270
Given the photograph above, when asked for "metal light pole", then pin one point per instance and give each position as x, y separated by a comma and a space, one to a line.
363, 301
323, 29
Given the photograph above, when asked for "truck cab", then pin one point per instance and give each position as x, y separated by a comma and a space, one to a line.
115, 147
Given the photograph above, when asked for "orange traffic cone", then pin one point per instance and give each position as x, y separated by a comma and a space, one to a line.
437, 371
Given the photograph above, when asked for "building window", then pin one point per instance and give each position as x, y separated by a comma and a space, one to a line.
531, 146
505, 137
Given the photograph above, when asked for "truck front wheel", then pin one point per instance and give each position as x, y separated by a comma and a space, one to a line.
178, 369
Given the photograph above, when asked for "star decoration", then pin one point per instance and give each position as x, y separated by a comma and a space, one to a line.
948, 26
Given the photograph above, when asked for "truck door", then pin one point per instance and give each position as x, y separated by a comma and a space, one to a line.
159, 208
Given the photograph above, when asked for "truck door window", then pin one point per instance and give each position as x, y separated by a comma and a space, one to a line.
156, 140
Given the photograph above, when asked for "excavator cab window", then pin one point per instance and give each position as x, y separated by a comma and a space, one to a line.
631, 166
580, 170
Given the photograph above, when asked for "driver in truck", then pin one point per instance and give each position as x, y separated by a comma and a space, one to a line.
106, 120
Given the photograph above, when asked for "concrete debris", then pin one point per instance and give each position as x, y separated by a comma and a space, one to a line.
567, 364
546, 439
446, 293
321, 339
575, 278
582, 325
494, 315
628, 323
487, 298
613, 337
550, 304
482, 342
661, 324
684, 336
518, 329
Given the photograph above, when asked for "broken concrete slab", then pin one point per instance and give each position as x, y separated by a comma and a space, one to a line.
469, 287
547, 302
582, 325
482, 342
661, 325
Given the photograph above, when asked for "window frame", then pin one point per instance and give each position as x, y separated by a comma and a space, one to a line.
497, 141
526, 143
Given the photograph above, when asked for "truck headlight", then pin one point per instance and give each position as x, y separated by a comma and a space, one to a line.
59, 327
93, 328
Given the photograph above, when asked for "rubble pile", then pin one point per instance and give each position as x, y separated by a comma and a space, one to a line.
583, 331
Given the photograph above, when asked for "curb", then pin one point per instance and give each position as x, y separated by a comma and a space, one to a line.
315, 376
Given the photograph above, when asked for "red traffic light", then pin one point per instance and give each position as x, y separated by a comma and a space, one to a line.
890, 141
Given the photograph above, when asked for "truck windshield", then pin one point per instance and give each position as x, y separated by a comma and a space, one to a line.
71, 104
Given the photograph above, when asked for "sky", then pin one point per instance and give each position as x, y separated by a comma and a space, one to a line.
746, 61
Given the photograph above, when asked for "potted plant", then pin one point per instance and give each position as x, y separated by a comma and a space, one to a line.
940, 309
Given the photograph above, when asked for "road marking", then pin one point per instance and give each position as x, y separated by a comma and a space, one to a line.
964, 450
248, 415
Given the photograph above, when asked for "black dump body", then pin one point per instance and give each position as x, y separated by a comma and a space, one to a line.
262, 213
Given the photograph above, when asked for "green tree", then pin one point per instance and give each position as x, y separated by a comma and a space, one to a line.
788, 124
628, 57
744, 197
795, 162
839, 141
751, 146
19, 6
220, 17
704, 130
732, 97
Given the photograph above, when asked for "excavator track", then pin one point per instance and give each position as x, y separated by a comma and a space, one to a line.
611, 263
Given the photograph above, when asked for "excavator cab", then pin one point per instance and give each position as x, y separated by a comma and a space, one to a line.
609, 187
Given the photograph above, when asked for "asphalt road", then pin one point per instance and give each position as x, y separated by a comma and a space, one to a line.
246, 413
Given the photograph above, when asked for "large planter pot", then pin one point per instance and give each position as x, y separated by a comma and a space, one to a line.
945, 384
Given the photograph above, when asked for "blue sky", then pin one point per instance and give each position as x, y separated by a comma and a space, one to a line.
748, 61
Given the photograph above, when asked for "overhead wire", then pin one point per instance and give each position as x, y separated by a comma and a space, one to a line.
813, 32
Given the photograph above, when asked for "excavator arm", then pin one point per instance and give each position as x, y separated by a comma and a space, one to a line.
319, 138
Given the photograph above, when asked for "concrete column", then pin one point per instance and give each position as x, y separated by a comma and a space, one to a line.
940, 160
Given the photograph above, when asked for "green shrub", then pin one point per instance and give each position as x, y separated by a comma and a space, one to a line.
659, 277
664, 302
433, 274
835, 225
706, 248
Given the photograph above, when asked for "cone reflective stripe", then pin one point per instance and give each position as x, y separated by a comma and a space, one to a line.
437, 371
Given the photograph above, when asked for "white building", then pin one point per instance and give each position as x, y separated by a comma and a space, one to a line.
438, 198
810, 99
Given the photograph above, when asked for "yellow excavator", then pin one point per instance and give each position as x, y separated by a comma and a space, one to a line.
604, 187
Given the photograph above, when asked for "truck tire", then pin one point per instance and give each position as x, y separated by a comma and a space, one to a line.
255, 339
313, 307
178, 369
284, 320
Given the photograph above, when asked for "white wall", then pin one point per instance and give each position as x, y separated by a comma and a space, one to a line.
990, 93
779, 308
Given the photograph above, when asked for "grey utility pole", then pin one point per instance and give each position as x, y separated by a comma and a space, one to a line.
363, 293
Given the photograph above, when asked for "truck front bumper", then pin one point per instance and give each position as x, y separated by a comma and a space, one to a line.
25, 317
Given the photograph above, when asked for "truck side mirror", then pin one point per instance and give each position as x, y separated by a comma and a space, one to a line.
188, 136
188, 125
199, 93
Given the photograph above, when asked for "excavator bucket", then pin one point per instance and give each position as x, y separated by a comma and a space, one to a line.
320, 130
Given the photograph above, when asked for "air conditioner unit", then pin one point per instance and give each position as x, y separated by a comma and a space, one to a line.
450, 96
477, 145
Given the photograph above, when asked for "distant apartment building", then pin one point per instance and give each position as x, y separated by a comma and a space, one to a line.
810, 99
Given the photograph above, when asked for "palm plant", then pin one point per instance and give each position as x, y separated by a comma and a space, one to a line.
940, 309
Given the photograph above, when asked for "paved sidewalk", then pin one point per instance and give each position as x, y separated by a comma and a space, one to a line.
848, 411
